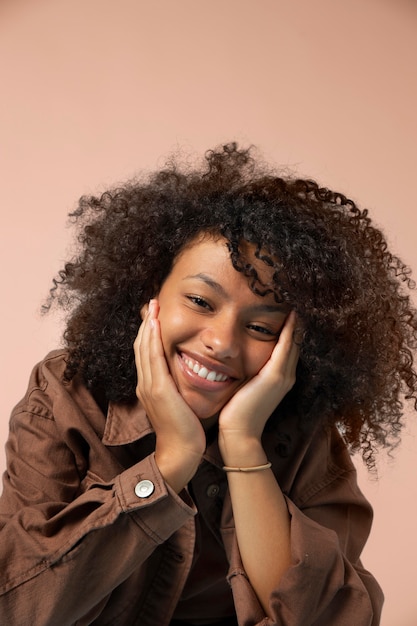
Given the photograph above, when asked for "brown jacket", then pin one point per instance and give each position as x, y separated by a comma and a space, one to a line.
78, 546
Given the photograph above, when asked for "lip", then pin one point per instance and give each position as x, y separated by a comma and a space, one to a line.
203, 383
210, 364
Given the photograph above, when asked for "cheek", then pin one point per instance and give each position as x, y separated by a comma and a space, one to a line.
175, 326
259, 355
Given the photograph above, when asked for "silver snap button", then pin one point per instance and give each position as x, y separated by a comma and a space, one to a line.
144, 488
212, 490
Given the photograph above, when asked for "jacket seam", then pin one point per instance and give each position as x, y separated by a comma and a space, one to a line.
334, 473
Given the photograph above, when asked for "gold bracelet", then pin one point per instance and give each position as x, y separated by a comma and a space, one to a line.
255, 468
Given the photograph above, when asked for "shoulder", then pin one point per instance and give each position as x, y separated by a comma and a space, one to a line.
309, 465
52, 367
46, 386
327, 467
55, 408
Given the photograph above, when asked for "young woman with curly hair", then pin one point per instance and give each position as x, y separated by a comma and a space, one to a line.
232, 336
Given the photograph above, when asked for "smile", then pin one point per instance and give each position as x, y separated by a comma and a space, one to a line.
203, 372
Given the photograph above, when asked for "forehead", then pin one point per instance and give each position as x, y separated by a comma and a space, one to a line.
212, 252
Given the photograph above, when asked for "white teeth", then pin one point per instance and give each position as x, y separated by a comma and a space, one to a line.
203, 372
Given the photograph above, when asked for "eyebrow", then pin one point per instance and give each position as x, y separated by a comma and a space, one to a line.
262, 307
210, 282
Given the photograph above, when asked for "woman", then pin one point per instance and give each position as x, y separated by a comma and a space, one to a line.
232, 336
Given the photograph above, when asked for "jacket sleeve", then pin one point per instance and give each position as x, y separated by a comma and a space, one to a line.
56, 526
326, 584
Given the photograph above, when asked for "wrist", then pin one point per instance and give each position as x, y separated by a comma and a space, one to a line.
242, 452
248, 469
177, 469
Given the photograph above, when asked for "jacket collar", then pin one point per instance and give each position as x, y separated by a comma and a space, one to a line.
125, 424
128, 423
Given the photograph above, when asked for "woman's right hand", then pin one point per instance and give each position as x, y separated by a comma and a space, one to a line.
180, 437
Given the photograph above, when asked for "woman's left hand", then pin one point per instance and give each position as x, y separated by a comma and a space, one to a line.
243, 418
260, 511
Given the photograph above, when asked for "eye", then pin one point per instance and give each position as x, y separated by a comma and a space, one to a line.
200, 302
262, 330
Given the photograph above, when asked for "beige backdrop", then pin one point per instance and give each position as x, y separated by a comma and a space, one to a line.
92, 91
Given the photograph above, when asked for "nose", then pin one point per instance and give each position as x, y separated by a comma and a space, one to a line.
220, 337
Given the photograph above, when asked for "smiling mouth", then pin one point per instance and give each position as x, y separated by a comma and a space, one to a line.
204, 372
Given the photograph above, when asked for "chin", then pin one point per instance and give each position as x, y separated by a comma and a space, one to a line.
203, 410
205, 414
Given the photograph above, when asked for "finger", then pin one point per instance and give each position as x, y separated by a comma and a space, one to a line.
155, 345
144, 314
144, 310
293, 346
141, 348
282, 364
148, 312
155, 372
286, 349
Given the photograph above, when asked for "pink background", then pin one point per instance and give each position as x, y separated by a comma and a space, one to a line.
92, 91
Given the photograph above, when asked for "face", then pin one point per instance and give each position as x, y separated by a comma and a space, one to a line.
217, 334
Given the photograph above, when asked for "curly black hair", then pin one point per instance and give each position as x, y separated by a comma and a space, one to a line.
331, 265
